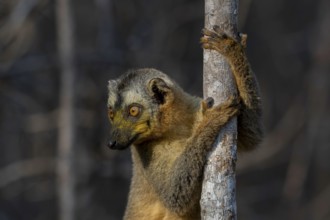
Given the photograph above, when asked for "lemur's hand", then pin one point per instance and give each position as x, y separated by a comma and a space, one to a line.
218, 40
219, 115
229, 108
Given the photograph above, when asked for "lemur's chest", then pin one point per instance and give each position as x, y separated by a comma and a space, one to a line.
162, 151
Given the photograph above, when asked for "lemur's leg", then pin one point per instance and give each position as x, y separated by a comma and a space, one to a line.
250, 129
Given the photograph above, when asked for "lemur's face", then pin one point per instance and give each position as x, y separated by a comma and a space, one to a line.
130, 118
133, 112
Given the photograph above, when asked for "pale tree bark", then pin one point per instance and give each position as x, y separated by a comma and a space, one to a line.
65, 163
218, 200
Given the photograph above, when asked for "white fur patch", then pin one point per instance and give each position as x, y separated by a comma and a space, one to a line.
112, 99
112, 85
132, 96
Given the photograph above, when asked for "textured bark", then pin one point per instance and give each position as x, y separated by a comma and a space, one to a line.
65, 164
218, 200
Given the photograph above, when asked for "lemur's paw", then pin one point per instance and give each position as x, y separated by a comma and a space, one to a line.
224, 111
218, 40
215, 40
230, 107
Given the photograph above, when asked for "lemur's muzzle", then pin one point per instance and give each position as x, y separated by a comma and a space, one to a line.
114, 145
121, 139
117, 139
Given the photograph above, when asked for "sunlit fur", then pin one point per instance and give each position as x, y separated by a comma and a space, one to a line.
174, 131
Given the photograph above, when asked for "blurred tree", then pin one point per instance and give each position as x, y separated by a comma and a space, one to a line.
66, 135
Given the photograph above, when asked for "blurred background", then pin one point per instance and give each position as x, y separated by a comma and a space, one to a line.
288, 177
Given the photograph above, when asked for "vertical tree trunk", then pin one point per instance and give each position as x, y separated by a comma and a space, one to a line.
65, 164
218, 200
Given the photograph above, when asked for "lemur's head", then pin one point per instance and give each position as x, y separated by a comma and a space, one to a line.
134, 106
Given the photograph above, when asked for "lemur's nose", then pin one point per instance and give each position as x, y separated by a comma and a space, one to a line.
112, 144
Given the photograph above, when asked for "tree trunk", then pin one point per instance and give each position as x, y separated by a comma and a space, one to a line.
65, 164
218, 200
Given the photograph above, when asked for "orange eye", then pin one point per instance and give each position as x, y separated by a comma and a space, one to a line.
111, 113
134, 111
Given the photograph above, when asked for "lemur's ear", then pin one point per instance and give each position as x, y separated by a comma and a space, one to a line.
112, 84
159, 90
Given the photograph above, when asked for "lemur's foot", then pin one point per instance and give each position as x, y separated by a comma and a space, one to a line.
218, 40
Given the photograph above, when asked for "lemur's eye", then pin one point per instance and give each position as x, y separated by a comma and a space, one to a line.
110, 113
134, 111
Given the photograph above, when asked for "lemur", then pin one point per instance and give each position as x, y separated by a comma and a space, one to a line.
170, 132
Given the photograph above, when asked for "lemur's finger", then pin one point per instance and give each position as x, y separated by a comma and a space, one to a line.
214, 34
208, 33
243, 38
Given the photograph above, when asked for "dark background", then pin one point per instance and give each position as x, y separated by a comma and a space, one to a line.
288, 177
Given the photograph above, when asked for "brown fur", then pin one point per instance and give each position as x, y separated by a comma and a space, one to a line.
178, 131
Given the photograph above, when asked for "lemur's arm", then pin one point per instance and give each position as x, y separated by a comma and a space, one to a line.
250, 129
179, 189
